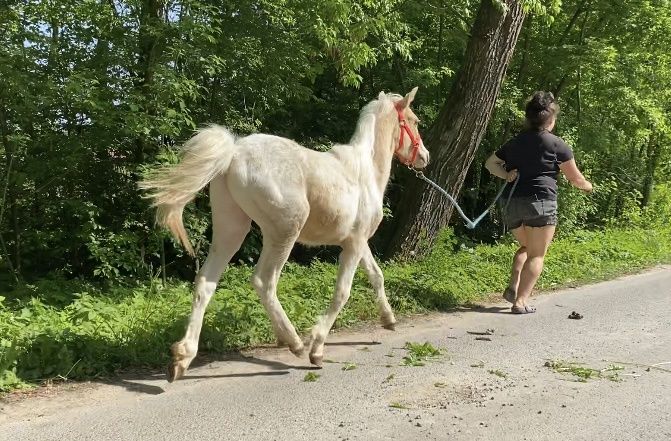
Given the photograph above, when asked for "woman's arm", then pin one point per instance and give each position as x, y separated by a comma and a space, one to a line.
570, 170
495, 166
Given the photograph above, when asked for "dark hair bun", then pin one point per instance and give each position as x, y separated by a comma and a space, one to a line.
541, 108
541, 101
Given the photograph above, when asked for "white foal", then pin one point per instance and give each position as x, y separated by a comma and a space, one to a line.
293, 194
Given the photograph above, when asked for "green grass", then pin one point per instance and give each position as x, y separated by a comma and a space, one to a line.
349, 366
56, 329
311, 377
397, 405
418, 354
498, 373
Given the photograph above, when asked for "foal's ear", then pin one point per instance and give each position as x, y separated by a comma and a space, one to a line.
408, 99
381, 95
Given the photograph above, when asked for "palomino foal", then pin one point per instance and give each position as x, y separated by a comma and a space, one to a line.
293, 194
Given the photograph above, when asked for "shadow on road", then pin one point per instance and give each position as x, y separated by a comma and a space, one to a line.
135, 381
353, 343
486, 309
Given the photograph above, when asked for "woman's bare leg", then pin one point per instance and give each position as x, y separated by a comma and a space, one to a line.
518, 259
538, 241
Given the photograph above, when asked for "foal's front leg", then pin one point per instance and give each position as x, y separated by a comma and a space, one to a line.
349, 259
376, 279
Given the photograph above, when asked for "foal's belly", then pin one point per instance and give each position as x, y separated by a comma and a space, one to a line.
330, 224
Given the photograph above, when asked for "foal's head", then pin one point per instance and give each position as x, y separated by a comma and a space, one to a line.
406, 142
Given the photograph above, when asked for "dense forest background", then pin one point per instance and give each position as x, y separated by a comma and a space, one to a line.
92, 92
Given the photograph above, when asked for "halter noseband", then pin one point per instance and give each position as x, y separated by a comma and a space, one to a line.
414, 140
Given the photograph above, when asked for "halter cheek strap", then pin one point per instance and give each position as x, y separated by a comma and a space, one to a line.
415, 141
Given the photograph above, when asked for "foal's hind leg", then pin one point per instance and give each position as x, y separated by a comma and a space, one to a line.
230, 225
266, 275
349, 259
376, 279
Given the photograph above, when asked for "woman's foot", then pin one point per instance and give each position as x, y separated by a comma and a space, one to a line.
510, 295
526, 309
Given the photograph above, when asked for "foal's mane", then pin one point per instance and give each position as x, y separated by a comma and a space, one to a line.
374, 121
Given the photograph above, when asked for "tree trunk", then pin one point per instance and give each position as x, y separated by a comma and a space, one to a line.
149, 50
454, 137
652, 161
8, 195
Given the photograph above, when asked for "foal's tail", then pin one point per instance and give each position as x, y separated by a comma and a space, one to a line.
204, 156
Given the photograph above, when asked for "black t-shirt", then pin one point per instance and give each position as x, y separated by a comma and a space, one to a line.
536, 156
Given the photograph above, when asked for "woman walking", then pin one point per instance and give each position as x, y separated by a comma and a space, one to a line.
536, 156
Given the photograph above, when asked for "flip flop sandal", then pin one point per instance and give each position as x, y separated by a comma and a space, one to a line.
509, 295
522, 309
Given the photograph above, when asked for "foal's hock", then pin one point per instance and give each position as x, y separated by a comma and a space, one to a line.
293, 194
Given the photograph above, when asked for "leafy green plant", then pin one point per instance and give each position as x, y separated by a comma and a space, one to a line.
498, 373
418, 354
397, 405
584, 373
349, 366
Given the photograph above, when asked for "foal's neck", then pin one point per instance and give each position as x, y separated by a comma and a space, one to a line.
382, 152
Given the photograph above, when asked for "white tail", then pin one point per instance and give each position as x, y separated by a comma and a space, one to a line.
204, 156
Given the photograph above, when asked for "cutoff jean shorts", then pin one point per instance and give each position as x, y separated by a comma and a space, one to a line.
529, 211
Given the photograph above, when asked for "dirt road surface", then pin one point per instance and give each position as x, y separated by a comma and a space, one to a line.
487, 385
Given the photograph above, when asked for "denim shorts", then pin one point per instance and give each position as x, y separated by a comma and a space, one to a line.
530, 211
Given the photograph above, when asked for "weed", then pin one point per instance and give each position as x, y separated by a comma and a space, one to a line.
389, 378
349, 366
498, 373
311, 377
397, 405
585, 373
419, 353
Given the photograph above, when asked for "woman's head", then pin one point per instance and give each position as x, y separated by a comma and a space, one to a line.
541, 111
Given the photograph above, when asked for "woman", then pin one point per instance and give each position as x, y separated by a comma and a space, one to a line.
536, 156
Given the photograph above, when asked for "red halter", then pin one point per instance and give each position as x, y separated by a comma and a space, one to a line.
414, 140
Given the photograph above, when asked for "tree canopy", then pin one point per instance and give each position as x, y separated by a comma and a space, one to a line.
93, 91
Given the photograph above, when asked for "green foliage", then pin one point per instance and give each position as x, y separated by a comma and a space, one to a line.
419, 353
498, 373
584, 373
311, 377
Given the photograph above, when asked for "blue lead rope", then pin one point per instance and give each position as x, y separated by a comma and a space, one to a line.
470, 224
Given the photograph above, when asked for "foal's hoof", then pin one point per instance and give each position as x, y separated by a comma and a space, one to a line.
389, 326
317, 360
175, 372
298, 351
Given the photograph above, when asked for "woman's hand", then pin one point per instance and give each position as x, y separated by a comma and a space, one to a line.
587, 187
512, 176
